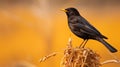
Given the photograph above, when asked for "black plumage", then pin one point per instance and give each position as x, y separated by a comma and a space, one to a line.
83, 29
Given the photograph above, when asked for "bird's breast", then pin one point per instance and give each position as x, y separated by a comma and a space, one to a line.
77, 31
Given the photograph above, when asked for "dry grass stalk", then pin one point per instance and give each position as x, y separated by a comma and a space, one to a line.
111, 61
47, 57
80, 57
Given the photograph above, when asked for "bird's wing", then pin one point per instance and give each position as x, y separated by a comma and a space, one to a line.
88, 25
87, 28
92, 28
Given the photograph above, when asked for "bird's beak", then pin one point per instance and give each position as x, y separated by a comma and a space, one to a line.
64, 10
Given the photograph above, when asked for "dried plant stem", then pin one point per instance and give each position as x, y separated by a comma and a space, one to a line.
110, 61
84, 59
47, 57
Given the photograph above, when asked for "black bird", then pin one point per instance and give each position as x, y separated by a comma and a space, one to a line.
83, 29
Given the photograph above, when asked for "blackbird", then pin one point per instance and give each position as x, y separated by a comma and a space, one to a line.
83, 29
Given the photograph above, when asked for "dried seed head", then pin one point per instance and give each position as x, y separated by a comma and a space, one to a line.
80, 57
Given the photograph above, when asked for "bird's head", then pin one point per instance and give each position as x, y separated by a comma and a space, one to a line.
71, 12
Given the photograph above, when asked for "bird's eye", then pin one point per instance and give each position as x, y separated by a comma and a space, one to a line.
71, 12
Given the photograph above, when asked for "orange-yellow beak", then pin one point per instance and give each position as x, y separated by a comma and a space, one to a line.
64, 10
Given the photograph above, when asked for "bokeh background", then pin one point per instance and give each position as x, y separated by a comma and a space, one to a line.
32, 29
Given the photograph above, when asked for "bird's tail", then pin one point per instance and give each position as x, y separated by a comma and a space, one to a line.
107, 45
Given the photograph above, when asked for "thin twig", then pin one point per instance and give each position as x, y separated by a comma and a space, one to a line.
110, 61
47, 57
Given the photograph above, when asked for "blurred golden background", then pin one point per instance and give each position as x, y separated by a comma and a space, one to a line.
32, 29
